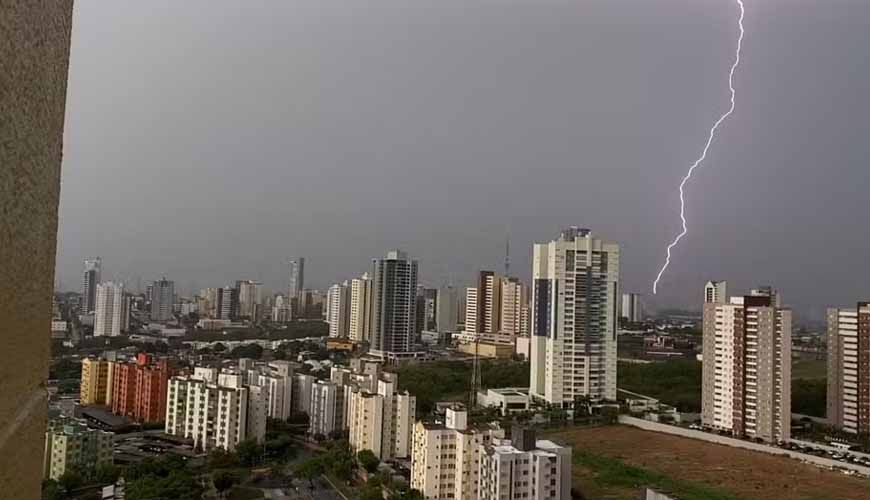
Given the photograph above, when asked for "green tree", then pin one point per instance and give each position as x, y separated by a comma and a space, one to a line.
249, 452
106, 474
219, 458
71, 480
51, 490
310, 469
223, 481
368, 460
219, 347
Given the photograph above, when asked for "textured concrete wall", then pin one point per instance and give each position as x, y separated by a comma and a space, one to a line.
34, 58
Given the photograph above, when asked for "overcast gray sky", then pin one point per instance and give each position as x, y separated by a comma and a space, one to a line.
208, 141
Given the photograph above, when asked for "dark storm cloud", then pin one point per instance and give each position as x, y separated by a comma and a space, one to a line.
208, 141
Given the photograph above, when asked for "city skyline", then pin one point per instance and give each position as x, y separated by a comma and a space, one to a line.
289, 140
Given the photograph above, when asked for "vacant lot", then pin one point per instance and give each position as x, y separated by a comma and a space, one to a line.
613, 462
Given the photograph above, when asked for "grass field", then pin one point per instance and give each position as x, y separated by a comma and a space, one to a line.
809, 368
615, 462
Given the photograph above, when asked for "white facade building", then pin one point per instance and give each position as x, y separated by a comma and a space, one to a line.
381, 421
108, 313
536, 470
338, 301
445, 462
212, 415
327, 403
574, 318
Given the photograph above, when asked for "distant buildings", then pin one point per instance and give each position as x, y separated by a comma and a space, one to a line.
109, 309
574, 318
447, 309
632, 308
849, 368
249, 298
162, 300
394, 294
524, 468
446, 457
746, 385
427, 305
338, 307
71, 446
91, 277
296, 283
360, 308
282, 311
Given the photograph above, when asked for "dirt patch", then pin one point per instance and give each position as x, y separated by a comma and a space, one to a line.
746, 474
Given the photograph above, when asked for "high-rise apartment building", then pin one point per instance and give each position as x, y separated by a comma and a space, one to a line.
360, 308
226, 301
249, 298
849, 369
495, 305
338, 302
70, 446
96, 382
108, 309
447, 309
445, 461
631, 308
282, 311
514, 307
427, 305
90, 279
296, 277
746, 382
162, 300
394, 301
574, 318
524, 468
716, 292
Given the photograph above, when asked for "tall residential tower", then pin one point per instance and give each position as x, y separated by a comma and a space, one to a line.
574, 318
849, 369
90, 279
746, 372
394, 301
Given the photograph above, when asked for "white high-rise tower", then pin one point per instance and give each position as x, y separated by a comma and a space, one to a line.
575, 307
108, 313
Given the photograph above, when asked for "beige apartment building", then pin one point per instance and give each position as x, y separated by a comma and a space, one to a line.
445, 460
848, 405
69, 444
96, 383
746, 382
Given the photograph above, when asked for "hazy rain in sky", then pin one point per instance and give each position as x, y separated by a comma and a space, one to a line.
210, 141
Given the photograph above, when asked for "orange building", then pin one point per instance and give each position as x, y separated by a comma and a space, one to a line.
139, 389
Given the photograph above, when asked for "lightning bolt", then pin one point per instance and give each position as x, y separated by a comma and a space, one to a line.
701, 158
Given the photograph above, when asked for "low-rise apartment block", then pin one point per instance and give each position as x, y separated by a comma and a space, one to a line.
70, 444
524, 468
